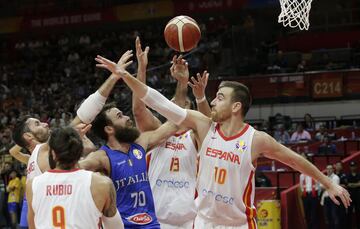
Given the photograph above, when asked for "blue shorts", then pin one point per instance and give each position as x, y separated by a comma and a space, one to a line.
24, 211
13, 207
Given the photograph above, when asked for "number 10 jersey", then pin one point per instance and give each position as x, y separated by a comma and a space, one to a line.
226, 186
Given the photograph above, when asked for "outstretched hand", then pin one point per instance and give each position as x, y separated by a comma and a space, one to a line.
82, 129
199, 85
117, 69
338, 191
179, 69
141, 55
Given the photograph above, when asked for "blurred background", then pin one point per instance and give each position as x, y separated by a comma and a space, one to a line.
305, 84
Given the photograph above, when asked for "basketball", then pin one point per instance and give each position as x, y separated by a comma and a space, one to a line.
182, 33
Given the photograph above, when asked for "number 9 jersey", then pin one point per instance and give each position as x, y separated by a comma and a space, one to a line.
63, 199
226, 186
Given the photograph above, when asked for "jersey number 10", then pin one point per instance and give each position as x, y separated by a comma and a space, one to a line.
220, 175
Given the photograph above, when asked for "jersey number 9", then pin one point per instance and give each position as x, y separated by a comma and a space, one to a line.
58, 217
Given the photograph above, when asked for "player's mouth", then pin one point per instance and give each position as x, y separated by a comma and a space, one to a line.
129, 123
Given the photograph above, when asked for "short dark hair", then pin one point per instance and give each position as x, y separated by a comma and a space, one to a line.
240, 93
20, 128
67, 146
101, 121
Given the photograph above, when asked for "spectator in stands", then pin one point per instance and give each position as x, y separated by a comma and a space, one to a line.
343, 182
279, 65
300, 134
321, 134
13, 189
354, 189
302, 66
328, 147
281, 135
309, 123
330, 208
261, 180
310, 197
6, 141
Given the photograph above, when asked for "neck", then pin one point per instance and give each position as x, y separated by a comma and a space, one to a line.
32, 146
181, 130
232, 126
115, 145
62, 167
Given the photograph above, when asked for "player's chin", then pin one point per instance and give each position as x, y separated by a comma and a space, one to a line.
214, 116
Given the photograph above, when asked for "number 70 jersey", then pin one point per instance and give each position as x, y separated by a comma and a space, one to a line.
226, 178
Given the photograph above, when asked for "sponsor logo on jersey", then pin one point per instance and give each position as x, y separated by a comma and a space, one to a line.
175, 146
121, 162
137, 178
140, 218
223, 155
30, 168
218, 197
183, 136
137, 153
173, 184
241, 146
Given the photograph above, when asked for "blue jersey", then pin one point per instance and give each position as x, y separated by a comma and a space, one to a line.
134, 198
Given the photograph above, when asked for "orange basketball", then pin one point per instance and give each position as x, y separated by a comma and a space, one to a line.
182, 33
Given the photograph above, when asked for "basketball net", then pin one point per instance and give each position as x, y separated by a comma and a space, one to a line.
295, 13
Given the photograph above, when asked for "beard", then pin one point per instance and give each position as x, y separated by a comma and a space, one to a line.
42, 136
220, 116
126, 134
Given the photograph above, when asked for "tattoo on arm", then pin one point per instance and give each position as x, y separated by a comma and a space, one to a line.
111, 210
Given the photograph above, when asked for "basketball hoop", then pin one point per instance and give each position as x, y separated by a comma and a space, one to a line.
295, 13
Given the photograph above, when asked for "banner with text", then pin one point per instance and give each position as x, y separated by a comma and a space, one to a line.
148, 10
192, 7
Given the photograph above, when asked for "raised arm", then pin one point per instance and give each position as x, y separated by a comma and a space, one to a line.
144, 118
198, 88
266, 145
15, 152
94, 161
153, 138
95, 102
88, 145
152, 98
179, 70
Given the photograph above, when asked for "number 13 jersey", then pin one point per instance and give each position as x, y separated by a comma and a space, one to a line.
226, 178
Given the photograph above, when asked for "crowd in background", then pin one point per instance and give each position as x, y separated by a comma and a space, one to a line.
49, 76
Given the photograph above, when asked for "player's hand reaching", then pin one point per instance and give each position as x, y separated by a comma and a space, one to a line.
199, 84
117, 69
141, 55
82, 129
179, 69
337, 191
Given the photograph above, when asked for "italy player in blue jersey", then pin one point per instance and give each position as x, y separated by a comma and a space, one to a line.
123, 159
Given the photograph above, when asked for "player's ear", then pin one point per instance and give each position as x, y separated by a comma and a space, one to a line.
28, 136
109, 129
236, 107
